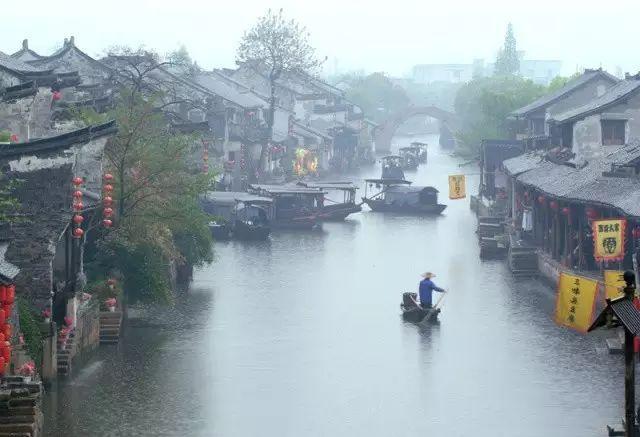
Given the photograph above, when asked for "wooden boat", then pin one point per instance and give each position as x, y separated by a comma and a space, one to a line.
294, 207
220, 230
409, 157
336, 210
400, 197
411, 312
238, 215
422, 150
392, 167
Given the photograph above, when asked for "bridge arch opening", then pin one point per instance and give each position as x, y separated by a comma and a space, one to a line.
388, 128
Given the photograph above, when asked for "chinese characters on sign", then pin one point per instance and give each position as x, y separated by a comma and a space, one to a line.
575, 301
457, 188
608, 239
613, 284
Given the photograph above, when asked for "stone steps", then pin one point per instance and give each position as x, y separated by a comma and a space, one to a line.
110, 326
20, 414
64, 356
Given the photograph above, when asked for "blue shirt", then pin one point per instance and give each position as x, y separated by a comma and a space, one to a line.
426, 290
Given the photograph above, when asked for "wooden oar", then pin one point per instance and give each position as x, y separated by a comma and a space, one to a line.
435, 307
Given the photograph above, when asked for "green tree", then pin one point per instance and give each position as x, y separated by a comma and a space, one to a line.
483, 106
158, 219
507, 62
376, 95
560, 81
276, 46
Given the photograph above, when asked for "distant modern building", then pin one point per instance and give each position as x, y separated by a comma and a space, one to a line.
539, 71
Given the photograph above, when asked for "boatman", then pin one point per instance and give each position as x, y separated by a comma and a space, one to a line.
427, 287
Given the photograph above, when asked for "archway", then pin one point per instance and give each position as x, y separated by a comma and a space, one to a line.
387, 129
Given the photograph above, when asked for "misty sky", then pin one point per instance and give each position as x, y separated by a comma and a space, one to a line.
373, 35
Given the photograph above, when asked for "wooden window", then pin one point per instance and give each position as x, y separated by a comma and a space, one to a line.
613, 132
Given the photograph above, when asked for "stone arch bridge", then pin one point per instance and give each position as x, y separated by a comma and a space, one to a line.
387, 129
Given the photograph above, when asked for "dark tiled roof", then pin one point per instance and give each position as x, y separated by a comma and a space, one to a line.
585, 184
628, 315
522, 163
570, 86
214, 84
612, 96
19, 67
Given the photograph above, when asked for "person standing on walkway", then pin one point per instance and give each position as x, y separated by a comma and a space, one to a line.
426, 289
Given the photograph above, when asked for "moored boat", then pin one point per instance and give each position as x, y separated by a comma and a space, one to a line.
400, 197
336, 210
238, 215
294, 207
409, 157
422, 151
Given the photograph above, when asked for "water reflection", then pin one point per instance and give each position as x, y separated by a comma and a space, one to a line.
301, 336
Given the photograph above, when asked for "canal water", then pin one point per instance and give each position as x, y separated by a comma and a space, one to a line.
301, 336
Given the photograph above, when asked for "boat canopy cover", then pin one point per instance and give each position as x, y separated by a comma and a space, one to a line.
410, 148
391, 157
346, 186
412, 189
388, 181
231, 197
286, 189
419, 144
410, 195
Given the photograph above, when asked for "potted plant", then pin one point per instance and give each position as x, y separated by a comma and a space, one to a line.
62, 337
46, 315
27, 370
111, 304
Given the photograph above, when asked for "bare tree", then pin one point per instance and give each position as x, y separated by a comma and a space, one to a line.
275, 46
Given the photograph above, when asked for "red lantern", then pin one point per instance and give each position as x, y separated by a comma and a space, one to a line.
107, 212
553, 205
11, 296
3, 293
107, 201
108, 177
2, 317
77, 194
107, 223
2, 366
6, 351
78, 206
78, 232
108, 188
8, 309
77, 181
591, 213
78, 219
541, 200
2, 339
6, 330
565, 211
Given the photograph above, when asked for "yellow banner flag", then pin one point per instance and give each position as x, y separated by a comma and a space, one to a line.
457, 187
613, 284
608, 239
575, 301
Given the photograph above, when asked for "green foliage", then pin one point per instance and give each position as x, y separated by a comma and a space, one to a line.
484, 104
30, 328
8, 203
5, 136
376, 95
560, 81
507, 62
158, 220
101, 291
